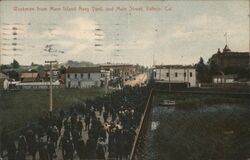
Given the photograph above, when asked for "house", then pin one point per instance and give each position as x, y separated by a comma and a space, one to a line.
83, 77
29, 77
225, 78
175, 74
41, 76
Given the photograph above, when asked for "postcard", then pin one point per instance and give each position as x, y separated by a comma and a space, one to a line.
107, 79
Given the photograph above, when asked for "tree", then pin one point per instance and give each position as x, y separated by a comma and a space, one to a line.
62, 70
15, 64
213, 68
13, 75
4, 66
202, 71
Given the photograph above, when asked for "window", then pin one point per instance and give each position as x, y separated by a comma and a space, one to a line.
68, 75
75, 75
185, 74
167, 74
191, 74
176, 74
88, 75
81, 75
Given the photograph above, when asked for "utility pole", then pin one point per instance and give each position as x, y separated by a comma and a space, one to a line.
169, 81
249, 30
225, 37
160, 73
50, 86
107, 78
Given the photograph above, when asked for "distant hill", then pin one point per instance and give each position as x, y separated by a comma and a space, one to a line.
78, 64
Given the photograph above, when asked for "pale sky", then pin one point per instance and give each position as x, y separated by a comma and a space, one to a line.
180, 33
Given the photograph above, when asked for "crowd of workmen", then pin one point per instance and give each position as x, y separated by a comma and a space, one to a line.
110, 123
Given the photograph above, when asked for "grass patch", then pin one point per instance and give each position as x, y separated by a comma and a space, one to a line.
20, 107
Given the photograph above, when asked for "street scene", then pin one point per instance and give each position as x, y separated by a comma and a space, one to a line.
124, 80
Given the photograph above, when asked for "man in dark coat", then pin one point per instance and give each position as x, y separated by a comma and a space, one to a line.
69, 148
3, 141
63, 144
20, 155
51, 150
91, 147
87, 122
22, 143
33, 147
79, 126
105, 116
43, 152
100, 153
80, 149
11, 149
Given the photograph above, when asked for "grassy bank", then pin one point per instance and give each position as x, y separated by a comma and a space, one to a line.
20, 107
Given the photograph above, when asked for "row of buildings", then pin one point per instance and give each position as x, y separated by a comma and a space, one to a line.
230, 65
85, 77
74, 77
115, 74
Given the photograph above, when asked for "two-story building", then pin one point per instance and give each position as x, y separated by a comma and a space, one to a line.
118, 69
83, 77
175, 74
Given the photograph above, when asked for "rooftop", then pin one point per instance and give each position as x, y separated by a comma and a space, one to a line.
3, 76
173, 66
83, 70
116, 65
226, 76
227, 50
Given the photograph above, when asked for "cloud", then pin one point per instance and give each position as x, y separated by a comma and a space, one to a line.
73, 36
207, 22
199, 26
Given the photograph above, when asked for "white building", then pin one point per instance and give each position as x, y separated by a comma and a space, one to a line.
224, 78
175, 74
83, 77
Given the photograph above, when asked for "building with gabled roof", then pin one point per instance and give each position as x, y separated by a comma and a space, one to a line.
29, 77
83, 77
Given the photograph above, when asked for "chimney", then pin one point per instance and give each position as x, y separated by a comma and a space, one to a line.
218, 50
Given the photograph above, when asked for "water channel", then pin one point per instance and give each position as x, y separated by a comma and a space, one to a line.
218, 131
